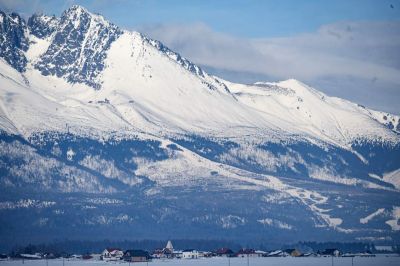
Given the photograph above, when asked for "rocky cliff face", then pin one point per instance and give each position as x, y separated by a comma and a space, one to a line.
79, 47
13, 40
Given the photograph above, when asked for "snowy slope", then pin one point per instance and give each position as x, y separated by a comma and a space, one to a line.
171, 96
314, 113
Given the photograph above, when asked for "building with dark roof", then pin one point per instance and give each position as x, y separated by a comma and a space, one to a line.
136, 255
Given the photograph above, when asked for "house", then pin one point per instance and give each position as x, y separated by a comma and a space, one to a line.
177, 254
162, 254
276, 253
359, 254
224, 252
36, 256
331, 252
245, 252
384, 248
205, 254
111, 254
292, 252
308, 254
136, 255
190, 254
260, 253
157, 254
367, 254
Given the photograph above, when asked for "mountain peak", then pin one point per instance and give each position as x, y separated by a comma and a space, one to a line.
76, 15
299, 87
42, 25
78, 50
13, 41
80, 18
12, 17
76, 9
293, 82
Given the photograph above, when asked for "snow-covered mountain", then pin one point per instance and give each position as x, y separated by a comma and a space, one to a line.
101, 126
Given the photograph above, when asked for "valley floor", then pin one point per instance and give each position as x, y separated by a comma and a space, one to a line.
271, 261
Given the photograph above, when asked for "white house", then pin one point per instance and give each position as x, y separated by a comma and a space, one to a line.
384, 248
177, 254
35, 256
190, 254
260, 253
276, 253
112, 254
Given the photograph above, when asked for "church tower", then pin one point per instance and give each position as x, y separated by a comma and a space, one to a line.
169, 246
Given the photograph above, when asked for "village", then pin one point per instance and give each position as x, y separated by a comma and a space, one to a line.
169, 253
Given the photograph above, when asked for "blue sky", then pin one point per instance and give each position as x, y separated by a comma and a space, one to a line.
345, 48
251, 18
254, 18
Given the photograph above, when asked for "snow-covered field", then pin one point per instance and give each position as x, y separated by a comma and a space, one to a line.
273, 261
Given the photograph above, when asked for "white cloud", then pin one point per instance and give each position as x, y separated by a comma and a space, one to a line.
355, 60
367, 50
206, 47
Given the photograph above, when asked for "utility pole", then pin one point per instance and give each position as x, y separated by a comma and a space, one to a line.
229, 261
248, 260
332, 260
352, 261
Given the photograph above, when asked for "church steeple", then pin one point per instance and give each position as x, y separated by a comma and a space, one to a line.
169, 246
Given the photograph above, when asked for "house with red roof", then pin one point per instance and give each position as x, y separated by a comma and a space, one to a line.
112, 254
